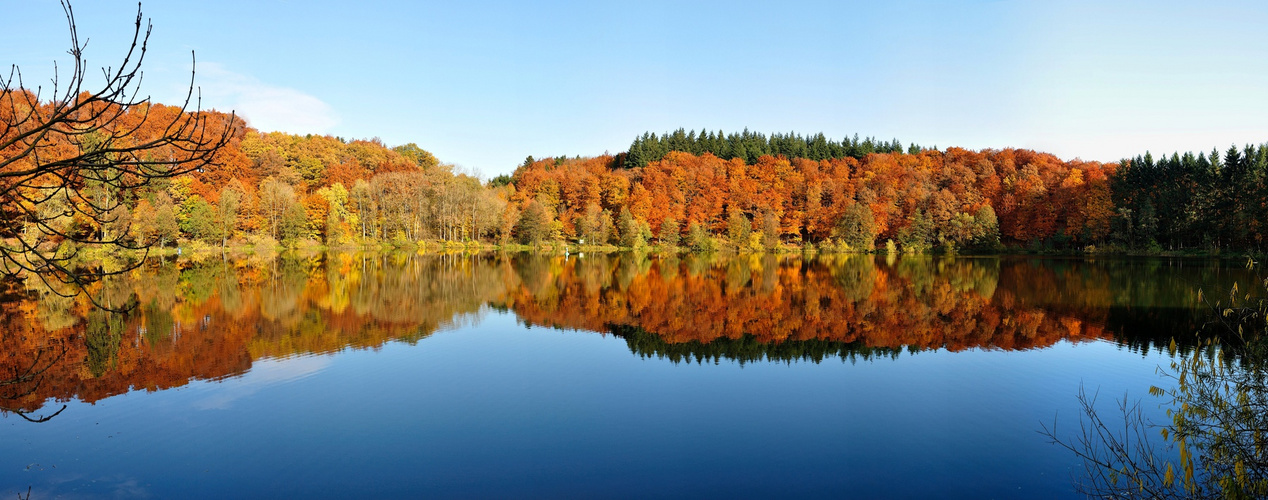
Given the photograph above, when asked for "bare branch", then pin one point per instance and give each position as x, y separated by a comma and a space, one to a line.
69, 164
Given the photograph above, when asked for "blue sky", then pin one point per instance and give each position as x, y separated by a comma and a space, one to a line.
484, 84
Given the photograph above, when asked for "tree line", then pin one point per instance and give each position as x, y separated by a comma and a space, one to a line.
256, 186
953, 199
750, 146
1194, 201
748, 191
335, 191
686, 190
106, 169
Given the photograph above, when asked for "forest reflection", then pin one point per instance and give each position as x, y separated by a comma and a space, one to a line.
766, 307
199, 321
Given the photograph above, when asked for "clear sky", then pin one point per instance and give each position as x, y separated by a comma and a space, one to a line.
484, 84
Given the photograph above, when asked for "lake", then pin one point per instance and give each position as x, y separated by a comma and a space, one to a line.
623, 375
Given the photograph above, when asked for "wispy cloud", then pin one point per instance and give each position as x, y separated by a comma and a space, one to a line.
266, 107
264, 373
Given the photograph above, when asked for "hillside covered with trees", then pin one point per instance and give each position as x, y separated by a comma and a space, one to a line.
750, 191
257, 187
694, 191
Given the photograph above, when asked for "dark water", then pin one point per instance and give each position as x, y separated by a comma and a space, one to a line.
610, 376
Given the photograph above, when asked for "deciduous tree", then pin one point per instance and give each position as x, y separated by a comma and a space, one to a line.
58, 143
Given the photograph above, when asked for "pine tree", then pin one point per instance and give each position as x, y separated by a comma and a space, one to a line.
532, 226
857, 227
628, 228
669, 232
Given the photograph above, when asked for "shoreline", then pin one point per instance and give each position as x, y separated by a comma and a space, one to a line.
201, 251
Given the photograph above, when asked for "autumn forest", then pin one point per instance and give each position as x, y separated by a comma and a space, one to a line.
699, 191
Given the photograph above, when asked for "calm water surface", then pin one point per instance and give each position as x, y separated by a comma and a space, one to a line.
611, 376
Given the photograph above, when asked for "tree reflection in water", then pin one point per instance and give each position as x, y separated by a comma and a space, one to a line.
199, 321
1216, 398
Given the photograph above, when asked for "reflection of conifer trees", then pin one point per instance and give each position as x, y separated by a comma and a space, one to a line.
1143, 302
913, 301
102, 338
747, 349
1216, 402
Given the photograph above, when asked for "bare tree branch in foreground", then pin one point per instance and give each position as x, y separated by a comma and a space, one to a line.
1215, 444
68, 160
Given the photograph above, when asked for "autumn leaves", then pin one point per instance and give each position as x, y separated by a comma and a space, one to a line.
955, 199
